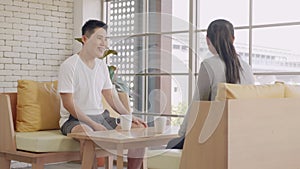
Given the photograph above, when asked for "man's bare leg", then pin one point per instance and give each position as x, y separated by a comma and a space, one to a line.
83, 128
135, 158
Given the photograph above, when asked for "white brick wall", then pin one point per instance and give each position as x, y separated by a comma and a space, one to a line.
35, 37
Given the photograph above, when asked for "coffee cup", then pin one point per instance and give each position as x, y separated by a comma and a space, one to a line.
125, 121
160, 124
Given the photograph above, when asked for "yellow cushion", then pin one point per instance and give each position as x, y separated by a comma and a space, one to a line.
38, 106
163, 159
238, 91
292, 91
45, 141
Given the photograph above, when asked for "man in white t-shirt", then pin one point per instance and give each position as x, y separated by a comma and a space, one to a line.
82, 79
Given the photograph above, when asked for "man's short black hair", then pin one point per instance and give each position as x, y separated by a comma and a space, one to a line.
89, 27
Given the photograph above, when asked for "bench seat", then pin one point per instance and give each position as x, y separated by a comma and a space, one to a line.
45, 141
39, 147
163, 159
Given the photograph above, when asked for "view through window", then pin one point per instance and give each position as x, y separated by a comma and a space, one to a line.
157, 60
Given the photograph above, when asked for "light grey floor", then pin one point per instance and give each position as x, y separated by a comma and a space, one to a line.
70, 165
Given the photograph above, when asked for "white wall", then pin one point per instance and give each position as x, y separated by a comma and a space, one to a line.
83, 11
35, 37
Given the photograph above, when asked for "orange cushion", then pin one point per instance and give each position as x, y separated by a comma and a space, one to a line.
38, 106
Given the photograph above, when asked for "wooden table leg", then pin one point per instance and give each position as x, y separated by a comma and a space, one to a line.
89, 155
37, 165
109, 162
145, 163
120, 156
5, 163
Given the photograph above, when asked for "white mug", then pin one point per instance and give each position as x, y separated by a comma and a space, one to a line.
160, 124
125, 121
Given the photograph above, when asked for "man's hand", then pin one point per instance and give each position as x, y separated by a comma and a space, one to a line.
98, 127
138, 123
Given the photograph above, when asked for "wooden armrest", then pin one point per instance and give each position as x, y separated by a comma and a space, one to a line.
7, 133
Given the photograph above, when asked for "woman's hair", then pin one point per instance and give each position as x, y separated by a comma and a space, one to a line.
221, 34
89, 27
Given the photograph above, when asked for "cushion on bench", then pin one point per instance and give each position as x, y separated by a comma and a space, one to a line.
163, 159
38, 106
45, 141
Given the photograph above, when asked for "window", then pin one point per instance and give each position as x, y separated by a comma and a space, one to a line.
156, 52
146, 36
176, 46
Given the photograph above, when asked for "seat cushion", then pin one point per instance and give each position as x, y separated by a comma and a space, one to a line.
163, 159
45, 141
38, 106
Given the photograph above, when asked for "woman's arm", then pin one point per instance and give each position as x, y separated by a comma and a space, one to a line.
203, 86
202, 92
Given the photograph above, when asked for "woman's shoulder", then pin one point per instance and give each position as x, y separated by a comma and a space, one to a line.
212, 60
244, 63
247, 77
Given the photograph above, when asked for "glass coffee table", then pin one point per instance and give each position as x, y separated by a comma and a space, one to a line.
119, 140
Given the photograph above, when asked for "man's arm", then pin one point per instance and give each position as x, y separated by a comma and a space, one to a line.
68, 103
114, 101
117, 105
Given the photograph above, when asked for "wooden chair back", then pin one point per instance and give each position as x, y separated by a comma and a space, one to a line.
13, 104
195, 154
243, 133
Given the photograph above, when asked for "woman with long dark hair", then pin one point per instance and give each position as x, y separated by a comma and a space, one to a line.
224, 66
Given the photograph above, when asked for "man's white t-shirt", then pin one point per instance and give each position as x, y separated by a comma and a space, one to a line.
84, 83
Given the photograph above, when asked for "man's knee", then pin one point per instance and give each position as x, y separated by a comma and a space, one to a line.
81, 128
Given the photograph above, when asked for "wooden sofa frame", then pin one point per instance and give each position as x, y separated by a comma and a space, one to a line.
8, 150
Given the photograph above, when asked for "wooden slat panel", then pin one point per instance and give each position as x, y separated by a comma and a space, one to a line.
264, 134
211, 154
